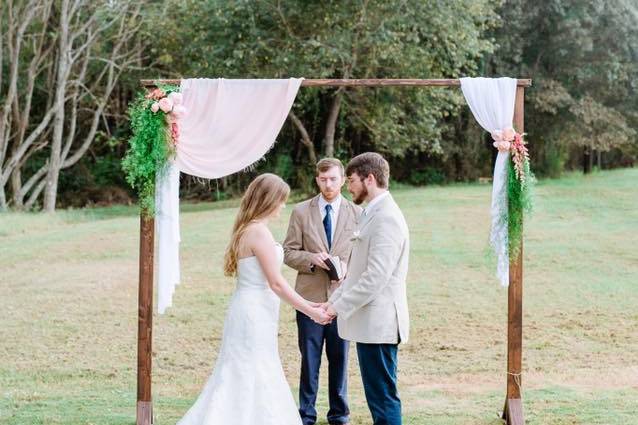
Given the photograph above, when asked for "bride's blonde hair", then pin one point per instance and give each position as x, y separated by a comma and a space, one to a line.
262, 198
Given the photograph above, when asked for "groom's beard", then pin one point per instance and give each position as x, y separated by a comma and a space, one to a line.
361, 196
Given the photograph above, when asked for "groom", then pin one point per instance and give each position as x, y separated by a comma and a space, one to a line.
371, 303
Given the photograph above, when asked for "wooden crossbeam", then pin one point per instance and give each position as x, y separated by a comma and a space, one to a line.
370, 82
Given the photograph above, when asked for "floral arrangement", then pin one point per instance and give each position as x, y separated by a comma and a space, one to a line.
171, 105
520, 182
155, 126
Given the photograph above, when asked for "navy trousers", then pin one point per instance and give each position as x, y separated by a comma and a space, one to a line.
378, 364
311, 341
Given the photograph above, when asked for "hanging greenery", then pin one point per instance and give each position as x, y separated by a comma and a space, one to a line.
519, 195
155, 135
520, 182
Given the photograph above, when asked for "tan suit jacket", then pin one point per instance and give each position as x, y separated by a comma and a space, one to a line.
306, 236
371, 303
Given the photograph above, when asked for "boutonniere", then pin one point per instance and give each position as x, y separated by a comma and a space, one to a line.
356, 235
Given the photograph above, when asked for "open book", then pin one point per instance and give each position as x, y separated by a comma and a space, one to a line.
334, 268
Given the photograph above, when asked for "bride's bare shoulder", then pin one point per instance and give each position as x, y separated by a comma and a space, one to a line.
256, 228
256, 237
256, 232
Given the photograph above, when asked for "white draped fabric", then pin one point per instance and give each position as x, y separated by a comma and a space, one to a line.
491, 101
228, 125
167, 234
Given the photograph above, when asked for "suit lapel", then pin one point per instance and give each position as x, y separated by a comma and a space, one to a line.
365, 218
316, 219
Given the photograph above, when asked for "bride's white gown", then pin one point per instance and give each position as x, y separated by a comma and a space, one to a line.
248, 385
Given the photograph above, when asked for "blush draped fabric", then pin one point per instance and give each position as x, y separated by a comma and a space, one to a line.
228, 126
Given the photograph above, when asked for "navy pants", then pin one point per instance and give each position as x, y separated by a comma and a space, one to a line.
378, 364
311, 341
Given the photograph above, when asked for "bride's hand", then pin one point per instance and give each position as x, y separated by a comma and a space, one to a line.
319, 315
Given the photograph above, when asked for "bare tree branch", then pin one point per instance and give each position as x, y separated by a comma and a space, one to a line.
15, 158
305, 138
24, 21
34, 195
51, 50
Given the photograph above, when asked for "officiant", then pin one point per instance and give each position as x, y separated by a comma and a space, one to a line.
319, 232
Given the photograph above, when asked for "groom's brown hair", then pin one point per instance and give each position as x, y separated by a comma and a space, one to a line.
370, 163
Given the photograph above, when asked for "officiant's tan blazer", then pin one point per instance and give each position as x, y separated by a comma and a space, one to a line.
371, 303
306, 236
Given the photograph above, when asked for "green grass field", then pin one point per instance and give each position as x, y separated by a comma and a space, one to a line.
68, 311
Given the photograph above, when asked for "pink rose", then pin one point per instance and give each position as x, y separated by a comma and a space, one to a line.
155, 94
508, 134
166, 104
505, 135
502, 146
497, 135
179, 111
155, 107
176, 98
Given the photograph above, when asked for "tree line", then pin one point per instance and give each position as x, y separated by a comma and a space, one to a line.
70, 68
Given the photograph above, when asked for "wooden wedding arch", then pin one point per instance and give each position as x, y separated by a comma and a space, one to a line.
513, 408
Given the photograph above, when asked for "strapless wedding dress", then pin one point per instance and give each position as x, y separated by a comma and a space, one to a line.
248, 385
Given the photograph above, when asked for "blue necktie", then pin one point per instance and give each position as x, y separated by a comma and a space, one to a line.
327, 225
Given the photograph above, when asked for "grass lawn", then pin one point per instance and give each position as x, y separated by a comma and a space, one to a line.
68, 311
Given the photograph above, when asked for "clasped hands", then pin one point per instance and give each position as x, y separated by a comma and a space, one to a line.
322, 313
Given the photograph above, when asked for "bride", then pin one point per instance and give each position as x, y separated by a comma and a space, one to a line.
248, 385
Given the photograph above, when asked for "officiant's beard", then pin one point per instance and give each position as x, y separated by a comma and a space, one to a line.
361, 196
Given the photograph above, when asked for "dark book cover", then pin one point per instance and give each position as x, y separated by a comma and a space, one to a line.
334, 268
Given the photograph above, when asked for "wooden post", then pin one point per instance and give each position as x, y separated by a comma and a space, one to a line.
145, 321
513, 410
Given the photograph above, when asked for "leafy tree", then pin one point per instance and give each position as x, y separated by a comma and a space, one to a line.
335, 39
583, 56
